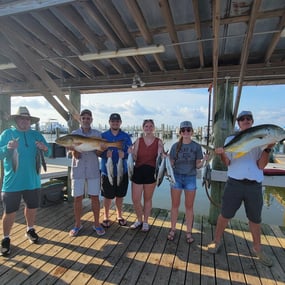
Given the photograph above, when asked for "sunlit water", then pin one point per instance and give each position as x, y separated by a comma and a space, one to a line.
274, 198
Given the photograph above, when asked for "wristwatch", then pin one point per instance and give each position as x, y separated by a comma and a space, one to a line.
268, 150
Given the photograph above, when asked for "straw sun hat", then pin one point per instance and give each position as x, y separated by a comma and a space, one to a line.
24, 112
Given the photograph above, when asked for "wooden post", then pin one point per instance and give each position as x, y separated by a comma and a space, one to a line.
222, 127
75, 99
5, 108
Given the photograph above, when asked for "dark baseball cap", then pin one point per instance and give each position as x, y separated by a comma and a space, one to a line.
115, 117
86, 112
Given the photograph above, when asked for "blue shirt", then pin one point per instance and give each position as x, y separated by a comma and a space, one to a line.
26, 176
127, 142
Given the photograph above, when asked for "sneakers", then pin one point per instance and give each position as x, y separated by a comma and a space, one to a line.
263, 258
32, 236
5, 246
136, 225
214, 247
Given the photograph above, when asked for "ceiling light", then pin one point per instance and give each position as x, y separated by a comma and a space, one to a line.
7, 66
123, 52
137, 82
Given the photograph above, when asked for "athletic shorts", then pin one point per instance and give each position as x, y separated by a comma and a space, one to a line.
238, 191
184, 182
110, 192
12, 200
81, 186
144, 174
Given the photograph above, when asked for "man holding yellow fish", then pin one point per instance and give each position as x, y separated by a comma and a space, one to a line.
244, 185
85, 173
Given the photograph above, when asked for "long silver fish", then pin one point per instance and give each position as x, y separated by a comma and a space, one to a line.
161, 171
82, 143
120, 171
130, 164
169, 170
110, 170
258, 136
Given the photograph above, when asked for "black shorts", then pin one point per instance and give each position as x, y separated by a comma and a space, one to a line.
110, 192
238, 192
11, 200
144, 174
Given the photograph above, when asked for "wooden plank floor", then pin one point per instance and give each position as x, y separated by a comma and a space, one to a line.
125, 256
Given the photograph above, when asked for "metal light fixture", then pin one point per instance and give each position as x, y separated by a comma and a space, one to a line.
7, 66
123, 52
137, 82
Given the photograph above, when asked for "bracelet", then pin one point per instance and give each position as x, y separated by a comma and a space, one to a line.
268, 150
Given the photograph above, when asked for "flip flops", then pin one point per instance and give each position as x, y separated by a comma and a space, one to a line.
171, 235
99, 231
75, 231
122, 222
189, 238
106, 224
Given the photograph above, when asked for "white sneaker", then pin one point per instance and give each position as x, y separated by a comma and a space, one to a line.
145, 227
136, 225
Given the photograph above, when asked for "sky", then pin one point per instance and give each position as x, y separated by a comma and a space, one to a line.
168, 107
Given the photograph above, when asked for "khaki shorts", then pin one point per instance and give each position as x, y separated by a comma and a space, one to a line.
90, 186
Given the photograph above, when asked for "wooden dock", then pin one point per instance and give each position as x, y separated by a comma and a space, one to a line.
125, 256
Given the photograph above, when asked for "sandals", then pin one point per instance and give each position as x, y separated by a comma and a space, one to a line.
106, 224
75, 231
99, 231
171, 235
122, 222
189, 238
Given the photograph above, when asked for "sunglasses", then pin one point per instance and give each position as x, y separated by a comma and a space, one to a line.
148, 121
248, 118
185, 130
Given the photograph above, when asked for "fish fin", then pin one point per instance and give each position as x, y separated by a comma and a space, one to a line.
239, 154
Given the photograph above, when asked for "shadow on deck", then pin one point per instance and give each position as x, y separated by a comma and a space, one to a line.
125, 256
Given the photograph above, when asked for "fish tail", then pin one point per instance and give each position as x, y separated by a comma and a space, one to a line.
118, 144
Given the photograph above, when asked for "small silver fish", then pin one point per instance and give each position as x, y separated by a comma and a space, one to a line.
110, 170
206, 176
169, 170
40, 161
15, 159
120, 171
130, 164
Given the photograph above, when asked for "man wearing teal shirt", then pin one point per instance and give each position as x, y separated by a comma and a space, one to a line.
18, 150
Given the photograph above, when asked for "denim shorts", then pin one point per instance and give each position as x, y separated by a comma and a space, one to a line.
184, 182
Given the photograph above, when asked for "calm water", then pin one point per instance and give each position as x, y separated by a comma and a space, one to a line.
274, 198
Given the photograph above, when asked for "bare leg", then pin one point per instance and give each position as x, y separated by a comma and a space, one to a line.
255, 232
189, 203
137, 190
175, 202
95, 205
78, 210
221, 225
119, 206
147, 194
107, 205
7, 223
30, 215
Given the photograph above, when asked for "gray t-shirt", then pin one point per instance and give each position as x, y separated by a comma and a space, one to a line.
87, 166
185, 160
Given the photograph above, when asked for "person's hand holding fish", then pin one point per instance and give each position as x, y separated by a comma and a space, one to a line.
109, 153
13, 144
121, 154
41, 146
